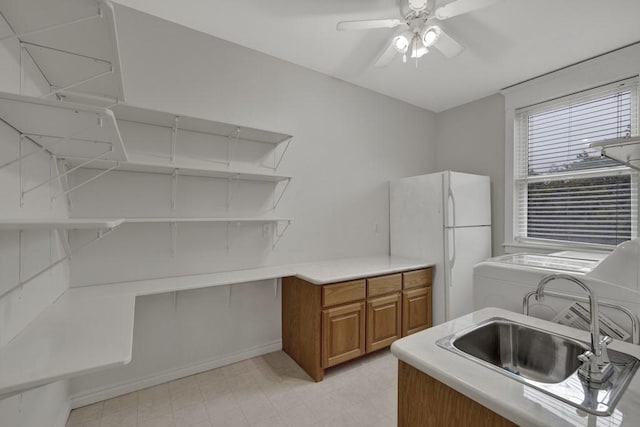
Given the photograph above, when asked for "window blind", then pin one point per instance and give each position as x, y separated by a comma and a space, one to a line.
565, 191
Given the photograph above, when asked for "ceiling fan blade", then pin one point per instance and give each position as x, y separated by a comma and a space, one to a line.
460, 7
385, 57
447, 45
368, 24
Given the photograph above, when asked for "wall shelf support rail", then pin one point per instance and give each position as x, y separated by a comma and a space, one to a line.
22, 281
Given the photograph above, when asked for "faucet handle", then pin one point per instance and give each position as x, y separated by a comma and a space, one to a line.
604, 342
587, 357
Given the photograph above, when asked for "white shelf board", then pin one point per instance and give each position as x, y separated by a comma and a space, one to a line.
185, 167
188, 282
56, 120
623, 150
57, 51
78, 334
204, 219
62, 223
194, 124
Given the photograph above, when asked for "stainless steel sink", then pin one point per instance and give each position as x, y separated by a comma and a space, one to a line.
543, 360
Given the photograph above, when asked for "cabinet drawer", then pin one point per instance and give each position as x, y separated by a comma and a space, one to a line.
384, 285
343, 292
417, 278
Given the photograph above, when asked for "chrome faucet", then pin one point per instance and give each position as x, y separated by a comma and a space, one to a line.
596, 367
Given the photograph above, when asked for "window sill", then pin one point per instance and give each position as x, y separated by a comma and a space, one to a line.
547, 248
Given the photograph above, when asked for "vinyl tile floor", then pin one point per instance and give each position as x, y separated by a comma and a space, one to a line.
269, 390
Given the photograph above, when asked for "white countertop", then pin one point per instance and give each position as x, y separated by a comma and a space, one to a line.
77, 334
323, 272
511, 399
91, 328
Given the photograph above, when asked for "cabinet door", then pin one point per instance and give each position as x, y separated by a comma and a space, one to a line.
416, 310
342, 333
383, 321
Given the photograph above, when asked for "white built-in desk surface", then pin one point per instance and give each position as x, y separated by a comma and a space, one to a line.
75, 335
91, 328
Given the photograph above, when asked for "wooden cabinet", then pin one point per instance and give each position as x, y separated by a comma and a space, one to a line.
342, 333
416, 301
324, 325
383, 321
426, 402
416, 313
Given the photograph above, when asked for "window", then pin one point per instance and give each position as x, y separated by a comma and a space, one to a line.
564, 190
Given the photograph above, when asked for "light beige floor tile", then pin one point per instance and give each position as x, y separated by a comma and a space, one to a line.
86, 423
298, 416
158, 421
226, 415
85, 414
186, 397
153, 396
270, 390
274, 421
124, 418
190, 415
121, 403
161, 410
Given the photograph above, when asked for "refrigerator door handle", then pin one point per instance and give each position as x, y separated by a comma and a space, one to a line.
452, 242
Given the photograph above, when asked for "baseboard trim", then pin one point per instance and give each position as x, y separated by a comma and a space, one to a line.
102, 393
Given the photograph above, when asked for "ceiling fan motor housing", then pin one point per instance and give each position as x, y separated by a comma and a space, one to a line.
418, 5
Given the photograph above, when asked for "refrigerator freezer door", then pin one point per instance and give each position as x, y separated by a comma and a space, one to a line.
468, 200
416, 217
464, 247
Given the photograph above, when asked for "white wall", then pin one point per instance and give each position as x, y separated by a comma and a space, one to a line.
348, 143
471, 139
49, 405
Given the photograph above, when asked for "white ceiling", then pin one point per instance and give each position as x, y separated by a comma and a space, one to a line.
505, 43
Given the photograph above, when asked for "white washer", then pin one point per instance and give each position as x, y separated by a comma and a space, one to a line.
504, 281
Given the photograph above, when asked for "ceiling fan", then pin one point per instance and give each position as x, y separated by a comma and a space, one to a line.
421, 28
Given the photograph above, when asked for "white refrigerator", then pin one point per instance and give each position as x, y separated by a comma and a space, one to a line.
443, 217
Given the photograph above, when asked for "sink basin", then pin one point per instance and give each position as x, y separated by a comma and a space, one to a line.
524, 351
543, 360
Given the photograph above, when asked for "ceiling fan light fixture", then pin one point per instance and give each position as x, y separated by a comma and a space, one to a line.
430, 35
417, 49
401, 43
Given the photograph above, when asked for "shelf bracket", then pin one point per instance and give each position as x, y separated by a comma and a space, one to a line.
52, 27
174, 138
174, 191
174, 237
41, 147
227, 244
20, 168
232, 138
22, 281
230, 188
67, 172
276, 285
280, 233
20, 262
21, 68
93, 178
276, 200
278, 159
56, 90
